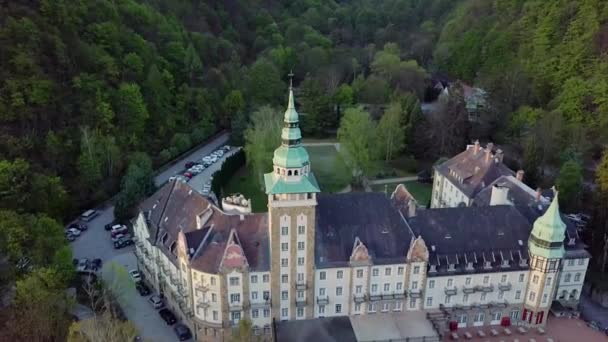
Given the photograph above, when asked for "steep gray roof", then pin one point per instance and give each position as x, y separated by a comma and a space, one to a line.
472, 171
519, 193
330, 329
371, 217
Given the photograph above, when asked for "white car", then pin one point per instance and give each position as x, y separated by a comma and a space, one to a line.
226, 148
118, 228
156, 301
82, 266
135, 275
73, 231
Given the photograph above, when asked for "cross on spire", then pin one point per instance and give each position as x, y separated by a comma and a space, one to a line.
290, 75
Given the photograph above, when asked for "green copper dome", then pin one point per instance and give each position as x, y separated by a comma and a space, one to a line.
548, 233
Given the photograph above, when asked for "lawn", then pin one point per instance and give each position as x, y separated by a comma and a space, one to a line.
327, 165
420, 191
329, 168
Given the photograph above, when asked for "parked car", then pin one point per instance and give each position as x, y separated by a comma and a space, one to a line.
82, 265
89, 215
119, 229
188, 175
167, 316
183, 332
189, 164
142, 288
121, 236
96, 264
123, 242
156, 301
226, 148
79, 226
135, 275
69, 236
75, 232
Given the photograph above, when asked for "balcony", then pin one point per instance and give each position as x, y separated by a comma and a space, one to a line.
399, 295
450, 290
301, 285
374, 297
415, 293
300, 302
260, 304
468, 289
203, 303
201, 287
387, 296
236, 306
359, 298
485, 288
322, 300
504, 286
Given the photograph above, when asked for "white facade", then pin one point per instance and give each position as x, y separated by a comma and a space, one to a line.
445, 194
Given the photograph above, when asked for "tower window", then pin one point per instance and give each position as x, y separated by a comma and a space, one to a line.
295, 172
289, 173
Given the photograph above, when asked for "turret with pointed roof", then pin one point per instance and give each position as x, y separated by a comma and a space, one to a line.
548, 233
291, 172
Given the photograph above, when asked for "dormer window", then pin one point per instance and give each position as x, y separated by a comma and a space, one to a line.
571, 242
487, 264
469, 266
523, 262
505, 263
451, 267
433, 268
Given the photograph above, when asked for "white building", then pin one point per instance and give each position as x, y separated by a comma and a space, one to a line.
322, 255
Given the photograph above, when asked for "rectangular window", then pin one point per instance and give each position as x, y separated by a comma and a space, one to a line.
414, 285
254, 295
400, 270
340, 274
465, 298
467, 281
215, 315
300, 312
429, 301
266, 278
284, 246
254, 279
372, 307
374, 288
284, 262
266, 295
503, 278
577, 277
266, 312
321, 309
375, 272
416, 269
448, 299
358, 289
284, 279
284, 231
235, 298
535, 279
284, 312
521, 278
532, 296
450, 282
581, 262
301, 230
322, 291
338, 308
483, 296
212, 281
359, 273
387, 287
571, 262
300, 276
213, 297
300, 294
301, 245
236, 317
300, 261
412, 303
517, 294
501, 294
255, 313
496, 316
357, 307
385, 307
322, 275
339, 291
399, 286
544, 298
284, 295
514, 314
431, 284
486, 279
387, 271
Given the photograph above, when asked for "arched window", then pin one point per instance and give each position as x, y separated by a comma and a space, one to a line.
278, 171
289, 173
283, 172
573, 294
295, 173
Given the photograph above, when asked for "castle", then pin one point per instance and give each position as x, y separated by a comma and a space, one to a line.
490, 249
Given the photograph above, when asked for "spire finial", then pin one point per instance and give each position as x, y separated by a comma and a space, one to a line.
290, 75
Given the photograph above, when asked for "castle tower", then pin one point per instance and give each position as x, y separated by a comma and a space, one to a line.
546, 249
291, 190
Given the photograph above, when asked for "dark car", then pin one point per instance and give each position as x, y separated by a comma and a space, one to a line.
123, 242
142, 288
96, 264
182, 332
79, 226
69, 236
167, 316
189, 164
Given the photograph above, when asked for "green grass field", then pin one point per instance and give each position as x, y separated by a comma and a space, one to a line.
329, 168
420, 191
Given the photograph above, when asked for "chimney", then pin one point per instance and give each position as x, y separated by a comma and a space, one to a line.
499, 195
489, 151
520, 175
411, 208
499, 155
476, 147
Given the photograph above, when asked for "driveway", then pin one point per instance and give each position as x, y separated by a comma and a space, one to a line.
178, 165
136, 308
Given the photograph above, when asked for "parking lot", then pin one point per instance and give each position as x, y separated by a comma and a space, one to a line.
96, 242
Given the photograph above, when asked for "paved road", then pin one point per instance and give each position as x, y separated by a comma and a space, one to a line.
136, 308
197, 182
178, 166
